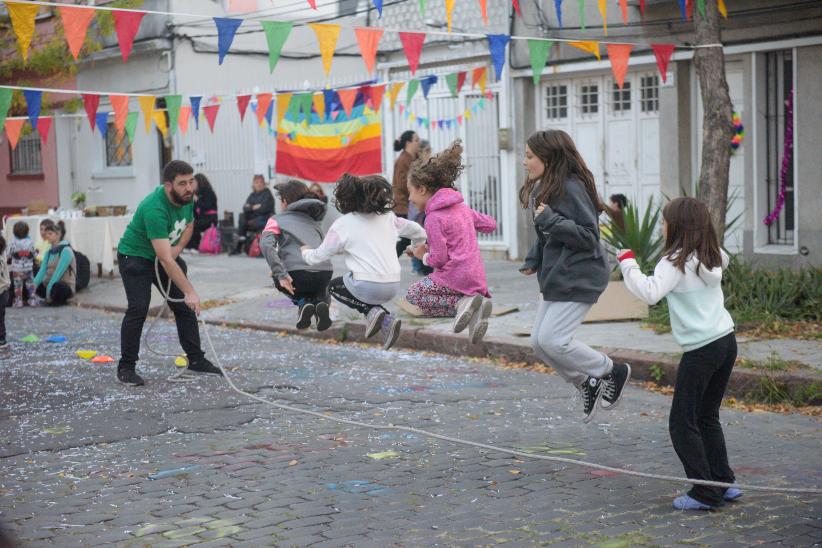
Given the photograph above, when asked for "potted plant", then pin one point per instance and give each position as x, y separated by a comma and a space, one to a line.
78, 200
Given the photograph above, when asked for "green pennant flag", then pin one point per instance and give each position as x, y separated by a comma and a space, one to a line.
276, 33
411, 90
422, 9
173, 103
5, 104
700, 4
451, 80
538, 49
582, 14
131, 125
301, 103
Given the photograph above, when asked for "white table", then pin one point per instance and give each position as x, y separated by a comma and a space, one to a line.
95, 237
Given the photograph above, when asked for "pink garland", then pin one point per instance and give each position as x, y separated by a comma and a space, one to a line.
787, 156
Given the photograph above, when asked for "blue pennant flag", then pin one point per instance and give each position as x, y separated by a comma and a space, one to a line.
558, 6
195, 109
330, 99
225, 34
378, 5
101, 118
427, 83
496, 45
33, 102
269, 113
683, 10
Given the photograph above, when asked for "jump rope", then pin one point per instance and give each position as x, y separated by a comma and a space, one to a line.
183, 376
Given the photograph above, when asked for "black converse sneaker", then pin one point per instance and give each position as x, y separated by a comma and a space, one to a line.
466, 308
390, 331
322, 311
204, 366
373, 321
590, 392
613, 384
129, 376
304, 315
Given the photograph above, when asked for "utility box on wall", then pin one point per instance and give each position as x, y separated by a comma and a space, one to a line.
504, 138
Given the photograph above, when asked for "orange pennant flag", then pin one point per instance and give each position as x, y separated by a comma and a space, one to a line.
449, 11
319, 105
623, 5
591, 46
720, 4
347, 98
394, 92
75, 26
283, 100
182, 119
619, 54
263, 102
479, 76
159, 118
147, 107
368, 38
22, 20
13, 127
120, 105
484, 10
376, 96
603, 11
327, 36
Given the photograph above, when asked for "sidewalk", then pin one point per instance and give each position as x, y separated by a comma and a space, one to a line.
238, 291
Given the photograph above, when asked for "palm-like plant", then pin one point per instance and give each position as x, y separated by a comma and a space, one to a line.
639, 234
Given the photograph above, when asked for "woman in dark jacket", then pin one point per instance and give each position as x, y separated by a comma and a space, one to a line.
408, 145
205, 210
259, 206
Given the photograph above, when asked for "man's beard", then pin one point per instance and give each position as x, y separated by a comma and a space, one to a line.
181, 199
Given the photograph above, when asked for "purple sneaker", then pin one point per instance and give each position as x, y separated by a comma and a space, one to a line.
684, 502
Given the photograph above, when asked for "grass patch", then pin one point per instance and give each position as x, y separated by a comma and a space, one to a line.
772, 391
773, 364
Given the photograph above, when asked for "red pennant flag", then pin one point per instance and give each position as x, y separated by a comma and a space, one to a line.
347, 98
619, 54
75, 25
461, 79
642, 8
663, 53
623, 5
211, 115
516, 7
412, 44
126, 24
402, 108
120, 105
43, 127
459, 119
263, 102
313, 4
90, 103
368, 38
689, 8
242, 104
376, 96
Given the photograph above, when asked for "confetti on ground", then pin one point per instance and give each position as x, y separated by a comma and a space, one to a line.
384, 455
57, 430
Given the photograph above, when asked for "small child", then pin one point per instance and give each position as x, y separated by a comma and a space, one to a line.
689, 276
457, 287
21, 251
366, 234
298, 224
42, 245
5, 283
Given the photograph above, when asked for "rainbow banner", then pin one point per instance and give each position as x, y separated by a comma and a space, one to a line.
323, 148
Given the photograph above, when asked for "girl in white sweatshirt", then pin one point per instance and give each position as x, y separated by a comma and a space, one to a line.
367, 235
689, 276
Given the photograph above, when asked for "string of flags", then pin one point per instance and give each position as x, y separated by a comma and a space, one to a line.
446, 123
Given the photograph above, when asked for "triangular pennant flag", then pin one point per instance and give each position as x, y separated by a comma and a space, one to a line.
75, 25
263, 100
347, 98
210, 112
226, 29
283, 101
146, 103
411, 90
496, 45
101, 118
173, 103
449, 12
663, 53
269, 113
185, 113
619, 54
459, 119
412, 44
34, 101
603, 11
377, 93
6, 96
582, 14
683, 9
394, 92
422, 9
126, 24
131, 125
22, 20
306, 101
318, 99
327, 35
90, 103
427, 84
516, 7
13, 127
720, 4
313, 4
43, 128
378, 5
368, 38
623, 5
329, 98
242, 105
276, 33
159, 118
461, 75
451, 81
700, 5
538, 51
591, 46
195, 109
120, 105
479, 76
558, 8
689, 8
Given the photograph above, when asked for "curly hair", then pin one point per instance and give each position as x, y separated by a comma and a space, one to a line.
369, 194
294, 190
440, 170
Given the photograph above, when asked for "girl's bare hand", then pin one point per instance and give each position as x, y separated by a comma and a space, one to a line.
528, 271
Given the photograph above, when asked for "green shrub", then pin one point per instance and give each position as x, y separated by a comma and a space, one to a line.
640, 235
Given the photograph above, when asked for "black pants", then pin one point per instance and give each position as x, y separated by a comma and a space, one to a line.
694, 422
138, 276
341, 293
60, 293
200, 226
309, 286
4, 297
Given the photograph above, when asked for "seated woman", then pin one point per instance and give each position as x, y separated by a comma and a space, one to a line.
205, 210
55, 281
258, 207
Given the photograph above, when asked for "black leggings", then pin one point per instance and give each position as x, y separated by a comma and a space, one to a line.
341, 293
60, 293
309, 286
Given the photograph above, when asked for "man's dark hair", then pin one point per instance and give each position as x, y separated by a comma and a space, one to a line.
175, 168
20, 230
620, 199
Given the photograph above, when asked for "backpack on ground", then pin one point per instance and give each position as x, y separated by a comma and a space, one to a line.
210, 242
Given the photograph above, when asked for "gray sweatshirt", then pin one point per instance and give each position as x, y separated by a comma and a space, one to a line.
286, 232
567, 255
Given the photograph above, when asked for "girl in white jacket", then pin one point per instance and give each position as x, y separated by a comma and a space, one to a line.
689, 276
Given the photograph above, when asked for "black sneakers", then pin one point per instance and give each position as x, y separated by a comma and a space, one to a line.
390, 331
129, 376
204, 366
322, 311
590, 392
613, 384
304, 316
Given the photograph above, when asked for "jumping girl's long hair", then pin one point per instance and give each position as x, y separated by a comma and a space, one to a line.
562, 161
690, 231
439, 171
369, 194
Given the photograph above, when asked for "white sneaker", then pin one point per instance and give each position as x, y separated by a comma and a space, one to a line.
478, 324
466, 307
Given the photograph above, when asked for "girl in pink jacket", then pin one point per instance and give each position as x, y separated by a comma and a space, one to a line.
457, 287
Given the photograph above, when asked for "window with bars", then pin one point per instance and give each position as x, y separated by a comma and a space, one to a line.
118, 147
556, 102
589, 98
778, 87
621, 97
649, 93
26, 158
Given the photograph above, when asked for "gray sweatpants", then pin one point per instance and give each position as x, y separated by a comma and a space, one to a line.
553, 341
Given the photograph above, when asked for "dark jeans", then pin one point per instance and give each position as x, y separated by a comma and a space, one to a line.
341, 293
4, 297
138, 276
200, 226
308, 286
694, 422
60, 293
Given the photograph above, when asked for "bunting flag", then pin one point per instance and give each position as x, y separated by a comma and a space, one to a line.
304, 102
483, 10
689, 9
101, 118
318, 101
496, 45
700, 5
13, 127
603, 11
538, 51
411, 90
516, 7
324, 150
375, 97
368, 39
412, 44
623, 6
211, 111
558, 8
347, 99
91, 103
720, 4
131, 125
173, 103
283, 102
195, 109
449, 12
159, 118
22, 20
242, 6
276, 33
269, 113
642, 8
126, 24
619, 54
313, 4
393, 92
75, 25
590, 46
242, 104
226, 29
6, 95
34, 102
43, 128
378, 5
479, 76
427, 83
327, 35
452, 82
663, 53
119, 103
422, 9
263, 100
146, 103
683, 10
582, 14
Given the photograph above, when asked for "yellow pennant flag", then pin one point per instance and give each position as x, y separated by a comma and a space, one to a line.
591, 46
603, 11
160, 119
327, 35
319, 105
394, 91
22, 19
449, 10
722, 8
283, 100
147, 107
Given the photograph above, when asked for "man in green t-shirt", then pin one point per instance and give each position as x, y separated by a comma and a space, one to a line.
160, 230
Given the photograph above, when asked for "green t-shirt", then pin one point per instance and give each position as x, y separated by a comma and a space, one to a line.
156, 218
